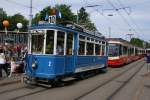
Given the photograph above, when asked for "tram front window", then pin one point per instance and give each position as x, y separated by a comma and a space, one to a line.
37, 43
113, 50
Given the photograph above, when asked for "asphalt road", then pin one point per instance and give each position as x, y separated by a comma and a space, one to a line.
130, 82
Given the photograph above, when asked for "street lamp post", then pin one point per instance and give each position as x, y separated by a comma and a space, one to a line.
30, 24
109, 28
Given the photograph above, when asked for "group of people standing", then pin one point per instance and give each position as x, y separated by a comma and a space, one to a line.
8, 62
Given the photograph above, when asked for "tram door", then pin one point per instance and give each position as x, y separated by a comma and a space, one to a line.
70, 56
65, 52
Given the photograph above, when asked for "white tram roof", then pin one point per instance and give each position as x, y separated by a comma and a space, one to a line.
122, 42
148, 49
119, 41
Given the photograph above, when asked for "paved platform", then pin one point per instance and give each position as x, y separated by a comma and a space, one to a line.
10, 80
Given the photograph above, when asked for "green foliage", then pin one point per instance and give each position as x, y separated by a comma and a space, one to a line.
137, 41
66, 12
85, 20
3, 16
41, 15
67, 15
13, 20
17, 18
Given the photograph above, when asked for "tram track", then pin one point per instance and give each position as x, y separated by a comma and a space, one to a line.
110, 80
45, 88
33, 89
9, 83
125, 83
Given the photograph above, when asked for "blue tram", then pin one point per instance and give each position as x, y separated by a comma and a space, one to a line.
59, 51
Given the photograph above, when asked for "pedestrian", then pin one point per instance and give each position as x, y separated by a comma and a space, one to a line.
2, 60
13, 66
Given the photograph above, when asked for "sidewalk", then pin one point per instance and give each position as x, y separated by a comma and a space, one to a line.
10, 80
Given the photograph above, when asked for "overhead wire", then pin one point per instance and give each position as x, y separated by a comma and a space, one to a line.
106, 18
123, 18
122, 5
86, 3
20, 4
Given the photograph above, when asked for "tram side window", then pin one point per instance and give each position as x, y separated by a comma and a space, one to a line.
103, 50
132, 51
136, 51
120, 49
49, 42
37, 43
60, 43
69, 43
125, 50
97, 49
90, 47
81, 47
129, 53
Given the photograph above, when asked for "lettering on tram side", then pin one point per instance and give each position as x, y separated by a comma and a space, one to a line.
49, 63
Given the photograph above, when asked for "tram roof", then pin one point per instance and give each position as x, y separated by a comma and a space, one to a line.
122, 41
148, 49
118, 39
74, 28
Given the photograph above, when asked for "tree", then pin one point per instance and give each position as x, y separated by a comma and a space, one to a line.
85, 20
137, 41
65, 10
67, 15
17, 18
3, 16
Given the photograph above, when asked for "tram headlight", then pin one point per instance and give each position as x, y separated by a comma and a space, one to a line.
34, 64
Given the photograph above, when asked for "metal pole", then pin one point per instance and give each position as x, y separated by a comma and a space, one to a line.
77, 17
109, 28
30, 20
30, 23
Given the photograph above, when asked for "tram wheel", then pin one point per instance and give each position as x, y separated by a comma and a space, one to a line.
104, 70
27, 81
57, 83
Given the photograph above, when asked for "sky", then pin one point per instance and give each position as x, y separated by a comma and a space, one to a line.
128, 16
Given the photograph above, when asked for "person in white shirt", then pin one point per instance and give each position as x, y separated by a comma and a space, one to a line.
2, 61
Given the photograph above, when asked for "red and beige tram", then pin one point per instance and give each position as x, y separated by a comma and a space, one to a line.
121, 52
